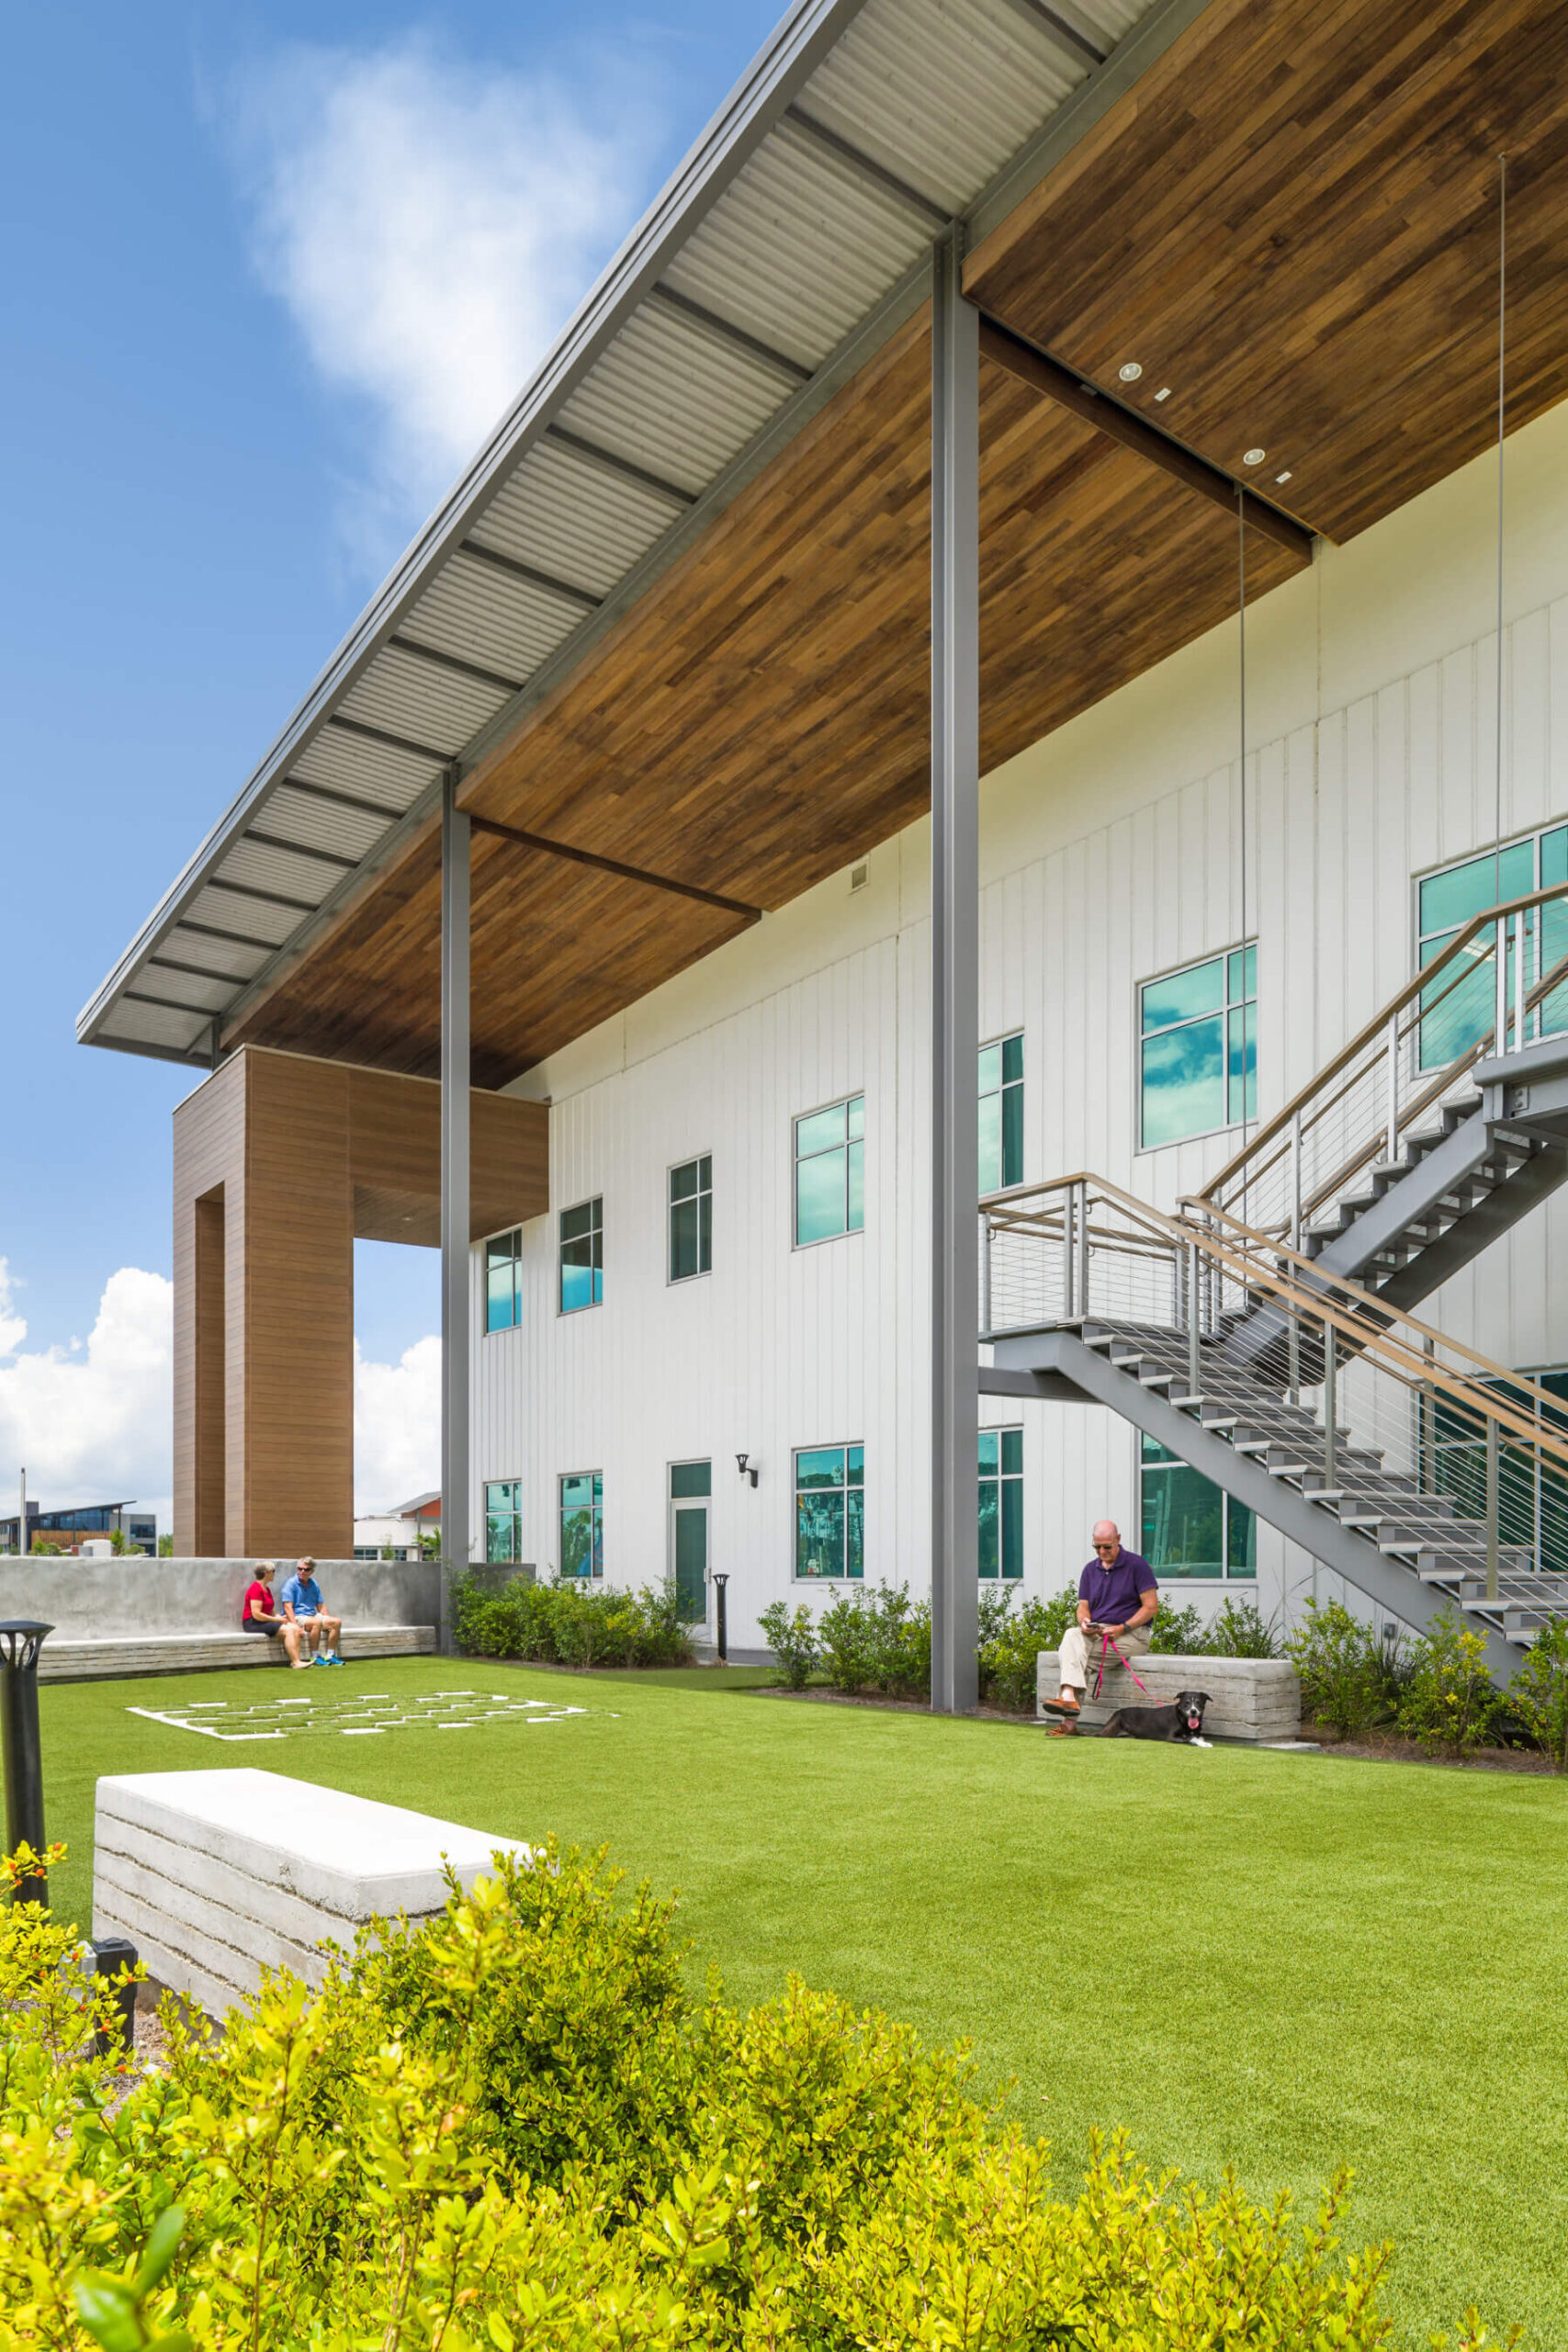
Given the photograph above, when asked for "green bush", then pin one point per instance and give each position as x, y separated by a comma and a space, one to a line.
1450, 1704
510, 2129
568, 1622
877, 1640
1537, 1694
1177, 1632
792, 1636
1238, 1631
1348, 1679
1011, 1639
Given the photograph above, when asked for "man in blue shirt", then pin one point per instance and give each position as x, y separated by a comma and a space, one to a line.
303, 1606
1117, 1599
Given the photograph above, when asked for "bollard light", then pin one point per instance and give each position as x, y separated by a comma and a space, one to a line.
723, 1621
21, 1639
115, 1957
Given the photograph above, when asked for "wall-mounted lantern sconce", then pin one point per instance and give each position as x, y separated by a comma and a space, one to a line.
743, 1464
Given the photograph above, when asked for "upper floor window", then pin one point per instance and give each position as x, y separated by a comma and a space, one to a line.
829, 1172
830, 1512
583, 1523
503, 1281
504, 1519
1001, 1115
1001, 1503
1459, 1009
1198, 1049
581, 1256
691, 1218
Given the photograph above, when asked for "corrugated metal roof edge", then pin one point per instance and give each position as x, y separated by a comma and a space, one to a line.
754, 107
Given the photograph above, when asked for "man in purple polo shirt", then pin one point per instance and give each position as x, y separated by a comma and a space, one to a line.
1117, 1595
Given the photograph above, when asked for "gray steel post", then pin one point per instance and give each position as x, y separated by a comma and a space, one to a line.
1330, 1407
454, 1213
955, 988
1492, 1508
1194, 1322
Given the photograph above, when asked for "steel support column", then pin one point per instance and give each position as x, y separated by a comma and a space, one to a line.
454, 1213
955, 1021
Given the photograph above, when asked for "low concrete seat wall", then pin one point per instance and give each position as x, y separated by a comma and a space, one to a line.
138, 1601
214, 1876
1253, 1699
106, 1661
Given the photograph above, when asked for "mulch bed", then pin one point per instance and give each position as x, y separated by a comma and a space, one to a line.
875, 1698
1389, 1748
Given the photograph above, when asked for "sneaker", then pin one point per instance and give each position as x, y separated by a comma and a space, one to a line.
319, 1659
333, 1659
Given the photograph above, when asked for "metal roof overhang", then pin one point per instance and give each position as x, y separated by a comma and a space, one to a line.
791, 243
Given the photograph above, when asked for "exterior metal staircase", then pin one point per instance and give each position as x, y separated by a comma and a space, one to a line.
1263, 1333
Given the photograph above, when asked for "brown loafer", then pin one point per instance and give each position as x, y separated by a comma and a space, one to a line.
1060, 1706
1065, 1729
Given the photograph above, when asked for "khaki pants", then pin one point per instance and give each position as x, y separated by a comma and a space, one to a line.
1080, 1657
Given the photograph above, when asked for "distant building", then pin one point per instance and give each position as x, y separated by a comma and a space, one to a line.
402, 1529
67, 1531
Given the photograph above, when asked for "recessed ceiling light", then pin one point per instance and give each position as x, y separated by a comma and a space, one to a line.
1130, 371
1163, 393
1284, 477
1254, 456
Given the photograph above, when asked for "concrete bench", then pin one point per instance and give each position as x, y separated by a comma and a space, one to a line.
215, 1876
1258, 1700
106, 1660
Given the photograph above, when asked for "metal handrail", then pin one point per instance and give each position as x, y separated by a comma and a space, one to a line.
1374, 1328
1386, 1026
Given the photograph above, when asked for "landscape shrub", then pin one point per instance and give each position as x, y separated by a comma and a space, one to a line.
568, 1622
510, 2129
1348, 1678
1537, 1695
1011, 1640
877, 1640
790, 1635
1237, 1630
1449, 1703
1177, 1632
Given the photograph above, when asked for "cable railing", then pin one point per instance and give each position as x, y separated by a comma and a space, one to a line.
1496, 988
1423, 1445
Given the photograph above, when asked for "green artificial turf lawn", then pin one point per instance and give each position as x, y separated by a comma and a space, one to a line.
1282, 1963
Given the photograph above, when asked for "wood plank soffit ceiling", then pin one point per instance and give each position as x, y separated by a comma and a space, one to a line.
1291, 220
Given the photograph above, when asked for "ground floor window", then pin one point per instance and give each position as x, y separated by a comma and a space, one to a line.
1189, 1526
582, 1524
504, 1519
830, 1512
1001, 1503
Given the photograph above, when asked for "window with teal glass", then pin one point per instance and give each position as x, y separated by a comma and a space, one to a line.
504, 1519
830, 1512
581, 1524
1461, 1005
829, 1172
1189, 1526
503, 1281
581, 1256
1001, 1115
691, 1218
1001, 1503
1197, 1050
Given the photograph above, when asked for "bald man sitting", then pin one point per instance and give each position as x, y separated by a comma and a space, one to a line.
1117, 1598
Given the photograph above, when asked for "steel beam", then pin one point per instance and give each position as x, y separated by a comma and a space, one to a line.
454, 1210
548, 848
867, 167
955, 989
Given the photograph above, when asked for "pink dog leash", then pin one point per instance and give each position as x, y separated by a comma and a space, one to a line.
1108, 1643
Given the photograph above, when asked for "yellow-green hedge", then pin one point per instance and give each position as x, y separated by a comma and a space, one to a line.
511, 2127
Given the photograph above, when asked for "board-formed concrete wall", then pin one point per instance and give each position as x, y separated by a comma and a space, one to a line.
103, 1600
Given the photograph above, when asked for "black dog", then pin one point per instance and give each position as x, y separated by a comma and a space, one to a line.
1183, 1720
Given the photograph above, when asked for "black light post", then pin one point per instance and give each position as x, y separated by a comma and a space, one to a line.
21, 1639
723, 1621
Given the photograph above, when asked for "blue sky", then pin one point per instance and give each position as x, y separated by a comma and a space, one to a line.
271, 272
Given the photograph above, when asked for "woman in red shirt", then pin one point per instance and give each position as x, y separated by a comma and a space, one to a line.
260, 1614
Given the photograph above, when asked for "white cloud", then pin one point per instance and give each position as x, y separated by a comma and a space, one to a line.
397, 1426
92, 1425
429, 224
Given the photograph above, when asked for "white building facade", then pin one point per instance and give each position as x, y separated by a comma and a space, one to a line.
1123, 849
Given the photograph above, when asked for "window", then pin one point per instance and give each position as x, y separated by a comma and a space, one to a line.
690, 1485
691, 1218
1001, 1115
581, 1256
1001, 1503
503, 1281
1197, 1050
581, 1524
1191, 1527
830, 1512
1533, 1495
504, 1519
1462, 1009
829, 1172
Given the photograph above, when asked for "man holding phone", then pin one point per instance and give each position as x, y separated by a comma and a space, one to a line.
1117, 1599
